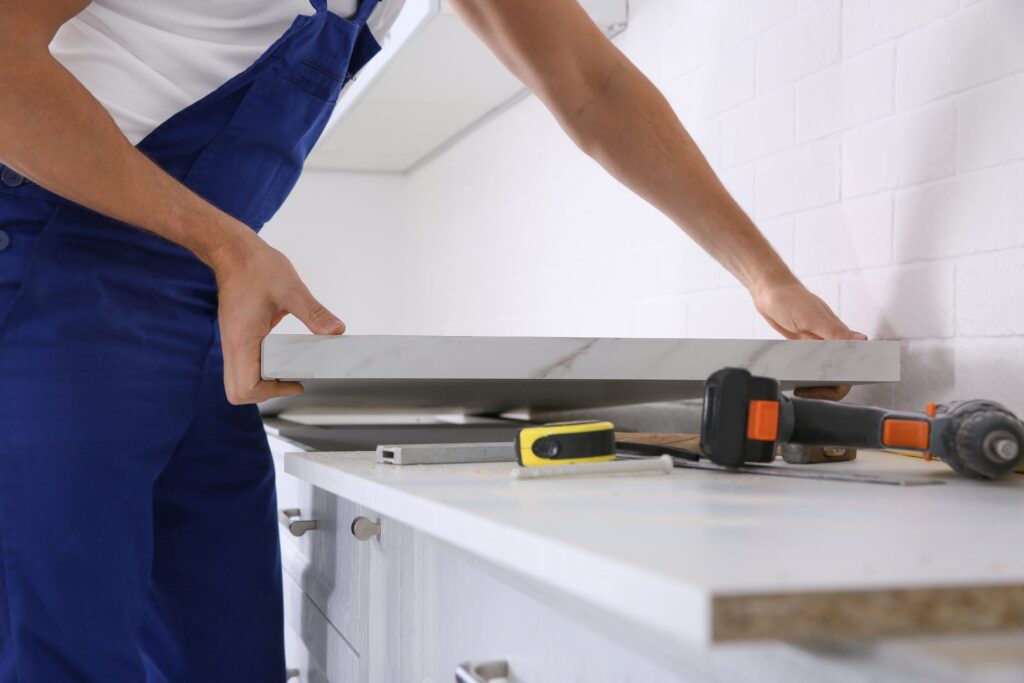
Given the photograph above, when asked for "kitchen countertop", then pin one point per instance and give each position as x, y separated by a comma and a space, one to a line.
496, 374
700, 557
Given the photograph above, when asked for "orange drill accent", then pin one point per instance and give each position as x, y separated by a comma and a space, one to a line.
763, 420
931, 410
906, 434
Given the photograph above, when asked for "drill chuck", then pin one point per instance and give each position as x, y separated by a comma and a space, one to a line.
1001, 447
987, 440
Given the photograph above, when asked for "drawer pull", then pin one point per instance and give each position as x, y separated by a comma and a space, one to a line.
364, 529
291, 518
290, 674
480, 672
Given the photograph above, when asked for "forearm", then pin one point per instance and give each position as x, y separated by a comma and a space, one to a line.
631, 130
620, 119
53, 131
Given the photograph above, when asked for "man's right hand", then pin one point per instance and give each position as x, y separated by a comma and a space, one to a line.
258, 286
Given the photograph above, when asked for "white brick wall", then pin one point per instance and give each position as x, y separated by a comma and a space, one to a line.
852, 235
856, 91
878, 143
978, 44
742, 19
989, 128
973, 212
757, 128
870, 22
799, 178
990, 295
799, 46
897, 151
907, 302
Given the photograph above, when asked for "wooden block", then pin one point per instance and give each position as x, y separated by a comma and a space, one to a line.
690, 442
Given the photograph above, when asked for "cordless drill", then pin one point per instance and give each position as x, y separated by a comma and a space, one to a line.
746, 416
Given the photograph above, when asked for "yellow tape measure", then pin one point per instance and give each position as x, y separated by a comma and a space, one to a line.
566, 443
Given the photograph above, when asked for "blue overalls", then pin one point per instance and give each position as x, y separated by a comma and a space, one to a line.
138, 530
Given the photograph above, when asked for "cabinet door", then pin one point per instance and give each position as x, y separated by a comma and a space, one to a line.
328, 563
312, 646
434, 607
336, 576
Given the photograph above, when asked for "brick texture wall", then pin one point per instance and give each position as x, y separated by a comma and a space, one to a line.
879, 144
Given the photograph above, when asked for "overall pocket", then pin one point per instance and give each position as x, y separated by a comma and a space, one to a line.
253, 164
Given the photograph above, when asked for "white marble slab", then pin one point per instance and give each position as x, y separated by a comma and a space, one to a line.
699, 557
507, 373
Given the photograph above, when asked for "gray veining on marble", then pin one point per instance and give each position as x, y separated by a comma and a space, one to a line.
506, 373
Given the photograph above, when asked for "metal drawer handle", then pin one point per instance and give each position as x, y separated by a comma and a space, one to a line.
291, 519
290, 674
480, 672
364, 529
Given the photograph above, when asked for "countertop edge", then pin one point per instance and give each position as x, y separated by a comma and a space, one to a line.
645, 598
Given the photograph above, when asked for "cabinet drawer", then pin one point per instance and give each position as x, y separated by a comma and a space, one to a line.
328, 563
292, 494
312, 645
335, 575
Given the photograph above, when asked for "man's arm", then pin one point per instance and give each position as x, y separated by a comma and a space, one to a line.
618, 117
52, 129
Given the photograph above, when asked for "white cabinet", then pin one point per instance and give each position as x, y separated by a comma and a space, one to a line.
433, 81
438, 586
405, 607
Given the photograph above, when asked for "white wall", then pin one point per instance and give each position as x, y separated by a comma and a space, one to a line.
343, 233
878, 143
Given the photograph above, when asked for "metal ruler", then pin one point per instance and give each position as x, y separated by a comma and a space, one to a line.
793, 473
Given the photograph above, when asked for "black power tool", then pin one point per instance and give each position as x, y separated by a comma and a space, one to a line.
745, 417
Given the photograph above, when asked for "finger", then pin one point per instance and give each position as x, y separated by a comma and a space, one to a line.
263, 390
268, 389
780, 329
314, 314
243, 373
846, 334
824, 393
830, 326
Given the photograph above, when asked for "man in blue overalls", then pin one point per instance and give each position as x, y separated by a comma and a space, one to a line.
138, 537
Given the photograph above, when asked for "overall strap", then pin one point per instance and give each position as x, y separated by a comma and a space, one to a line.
319, 5
366, 8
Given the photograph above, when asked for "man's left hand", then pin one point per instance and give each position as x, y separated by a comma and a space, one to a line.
796, 313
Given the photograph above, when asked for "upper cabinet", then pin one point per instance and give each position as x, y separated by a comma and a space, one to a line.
433, 82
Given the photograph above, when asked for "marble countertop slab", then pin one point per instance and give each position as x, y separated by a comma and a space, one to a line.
701, 557
508, 373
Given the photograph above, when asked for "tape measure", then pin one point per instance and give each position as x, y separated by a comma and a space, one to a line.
566, 443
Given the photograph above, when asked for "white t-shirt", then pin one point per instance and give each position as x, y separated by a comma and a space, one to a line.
146, 60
